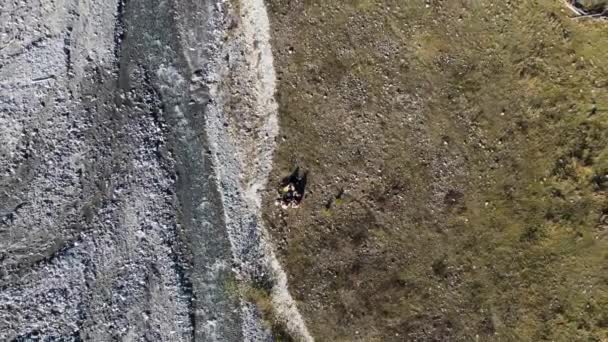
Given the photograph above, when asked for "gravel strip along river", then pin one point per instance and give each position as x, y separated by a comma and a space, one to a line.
129, 184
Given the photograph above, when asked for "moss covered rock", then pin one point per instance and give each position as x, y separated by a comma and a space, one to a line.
593, 6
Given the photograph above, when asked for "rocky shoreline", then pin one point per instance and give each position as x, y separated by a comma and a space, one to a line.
125, 213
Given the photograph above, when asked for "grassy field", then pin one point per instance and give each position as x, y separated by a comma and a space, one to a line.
458, 169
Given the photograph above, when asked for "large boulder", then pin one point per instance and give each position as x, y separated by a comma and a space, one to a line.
593, 6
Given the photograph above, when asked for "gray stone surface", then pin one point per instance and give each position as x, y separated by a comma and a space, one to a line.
111, 223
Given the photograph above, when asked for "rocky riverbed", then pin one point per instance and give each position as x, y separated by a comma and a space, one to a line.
128, 210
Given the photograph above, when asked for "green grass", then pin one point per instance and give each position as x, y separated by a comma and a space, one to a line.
501, 105
259, 294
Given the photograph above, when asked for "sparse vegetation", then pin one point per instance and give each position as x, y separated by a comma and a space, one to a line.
258, 293
474, 137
